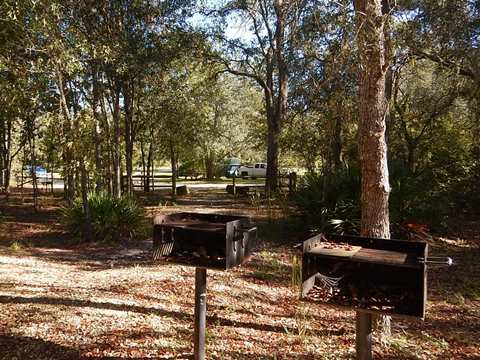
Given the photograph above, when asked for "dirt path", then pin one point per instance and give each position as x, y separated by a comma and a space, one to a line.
79, 302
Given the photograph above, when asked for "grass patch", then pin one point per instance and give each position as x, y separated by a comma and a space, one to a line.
262, 274
301, 329
16, 246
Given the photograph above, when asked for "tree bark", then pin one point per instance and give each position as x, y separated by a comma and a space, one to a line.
99, 181
67, 156
277, 115
128, 96
144, 166
117, 174
87, 234
33, 168
273, 136
6, 157
173, 161
149, 162
3, 151
209, 164
373, 111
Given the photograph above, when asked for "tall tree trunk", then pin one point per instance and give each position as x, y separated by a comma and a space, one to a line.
209, 160
98, 160
373, 111
144, 165
128, 97
149, 162
3, 151
87, 233
117, 174
173, 161
273, 136
6, 157
99, 181
33, 168
278, 106
67, 156
106, 147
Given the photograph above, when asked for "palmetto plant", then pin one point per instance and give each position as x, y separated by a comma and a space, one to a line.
112, 218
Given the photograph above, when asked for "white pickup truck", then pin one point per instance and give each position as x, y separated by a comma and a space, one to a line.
257, 170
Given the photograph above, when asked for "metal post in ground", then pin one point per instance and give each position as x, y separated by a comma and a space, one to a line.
363, 335
200, 312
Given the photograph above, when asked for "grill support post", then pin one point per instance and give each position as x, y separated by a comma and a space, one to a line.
200, 312
363, 335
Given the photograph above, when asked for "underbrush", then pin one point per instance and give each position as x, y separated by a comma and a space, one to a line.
112, 219
434, 199
331, 202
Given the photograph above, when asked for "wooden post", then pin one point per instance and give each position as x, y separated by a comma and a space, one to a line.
200, 312
234, 186
363, 336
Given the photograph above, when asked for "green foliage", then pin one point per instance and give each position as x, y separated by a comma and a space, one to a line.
331, 201
16, 246
113, 219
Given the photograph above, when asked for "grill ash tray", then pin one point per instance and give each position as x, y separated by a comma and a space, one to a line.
203, 240
376, 275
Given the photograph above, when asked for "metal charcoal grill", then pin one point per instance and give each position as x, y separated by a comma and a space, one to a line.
374, 275
205, 240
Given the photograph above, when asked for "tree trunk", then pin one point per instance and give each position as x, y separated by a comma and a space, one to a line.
33, 172
8, 156
173, 161
117, 174
277, 109
273, 136
108, 162
373, 110
3, 152
99, 183
209, 165
87, 234
144, 166
149, 161
69, 183
128, 96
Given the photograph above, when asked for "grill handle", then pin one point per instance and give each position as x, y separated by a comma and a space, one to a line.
437, 260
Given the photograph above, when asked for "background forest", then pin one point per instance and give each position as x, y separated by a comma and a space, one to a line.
95, 90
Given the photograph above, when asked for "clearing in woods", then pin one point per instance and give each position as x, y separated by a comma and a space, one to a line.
64, 301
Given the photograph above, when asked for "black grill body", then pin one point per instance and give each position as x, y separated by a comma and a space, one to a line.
203, 240
377, 275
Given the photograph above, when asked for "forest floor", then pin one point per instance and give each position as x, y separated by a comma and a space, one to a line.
59, 300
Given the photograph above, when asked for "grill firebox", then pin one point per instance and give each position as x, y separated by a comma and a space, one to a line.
204, 240
375, 275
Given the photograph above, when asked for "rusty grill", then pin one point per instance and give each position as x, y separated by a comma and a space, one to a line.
204, 240
376, 275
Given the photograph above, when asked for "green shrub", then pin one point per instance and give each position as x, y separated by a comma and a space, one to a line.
113, 219
331, 201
